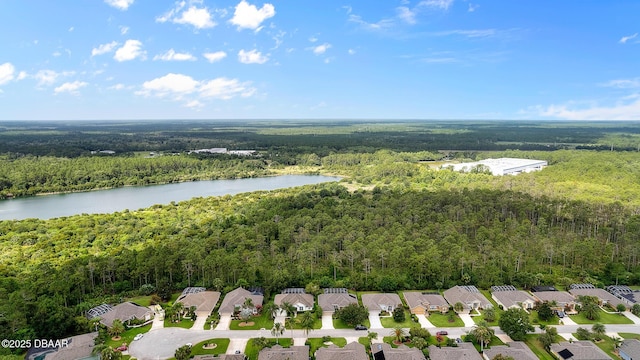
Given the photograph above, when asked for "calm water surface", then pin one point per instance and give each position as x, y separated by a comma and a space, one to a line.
137, 197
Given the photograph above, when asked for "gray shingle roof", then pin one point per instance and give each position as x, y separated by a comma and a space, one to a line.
351, 351
581, 350
237, 298
293, 298
464, 351
327, 301
631, 348
204, 301
402, 352
517, 350
511, 298
373, 301
416, 298
124, 312
277, 352
465, 296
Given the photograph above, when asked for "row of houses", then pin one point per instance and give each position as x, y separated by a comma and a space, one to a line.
351, 351
419, 303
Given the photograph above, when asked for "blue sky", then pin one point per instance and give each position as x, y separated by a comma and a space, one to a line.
391, 59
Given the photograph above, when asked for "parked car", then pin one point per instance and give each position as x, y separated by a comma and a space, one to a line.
360, 327
122, 347
442, 333
138, 337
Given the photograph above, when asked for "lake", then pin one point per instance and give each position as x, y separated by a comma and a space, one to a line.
138, 197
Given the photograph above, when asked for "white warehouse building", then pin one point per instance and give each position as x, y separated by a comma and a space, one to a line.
502, 166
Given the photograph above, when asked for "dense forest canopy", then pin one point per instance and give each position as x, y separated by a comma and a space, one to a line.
395, 222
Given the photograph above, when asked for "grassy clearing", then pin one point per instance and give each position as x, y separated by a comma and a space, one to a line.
184, 323
251, 351
605, 318
388, 322
607, 345
141, 300
494, 342
221, 348
533, 318
316, 343
127, 336
532, 342
259, 322
317, 323
629, 335
439, 320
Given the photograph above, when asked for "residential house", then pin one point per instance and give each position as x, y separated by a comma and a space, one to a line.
630, 349
470, 297
558, 300
335, 298
351, 351
126, 312
277, 352
296, 297
624, 293
578, 350
204, 301
422, 303
508, 296
381, 302
235, 299
517, 350
603, 296
72, 348
464, 351
384, 351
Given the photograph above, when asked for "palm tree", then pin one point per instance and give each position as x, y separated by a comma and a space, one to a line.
277, 330
483, 333
248, 303
591, 311
179, 308
271, 309
291, 312
307, 320
598, 331
458, 307
398, 333
116, 328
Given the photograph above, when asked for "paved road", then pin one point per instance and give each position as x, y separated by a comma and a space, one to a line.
162, 343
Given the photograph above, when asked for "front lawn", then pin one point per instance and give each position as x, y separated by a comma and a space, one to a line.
317, 323
127, 336
183, 323
316, 343
388, 322
533, 318
478, 319
251, 351
221, 347
532, 342
141, 300
605, 318
259, 322
629, 335
339, 324
495, 341
439, 320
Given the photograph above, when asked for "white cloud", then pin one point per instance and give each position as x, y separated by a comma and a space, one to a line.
480, 33
321, 49
473, 7
248, 16
119, 4
56, 54
407, 15
170, 84
351, 51
117, 87
442, 4
377, 26
622, 110
215, 56
225, 89
313, 39
70, 87
252, 57
623, 83
71, 29
624, 39
22, 75
49, 77
6, 73
104, 48
171, 55
200, 18
129, 51
181, 87
124, 30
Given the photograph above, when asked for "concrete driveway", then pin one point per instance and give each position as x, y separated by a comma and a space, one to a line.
223, 324
424, 322
201, 319
237, 345
635, 319
327, 321
567, 321
467, 320
374, 319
